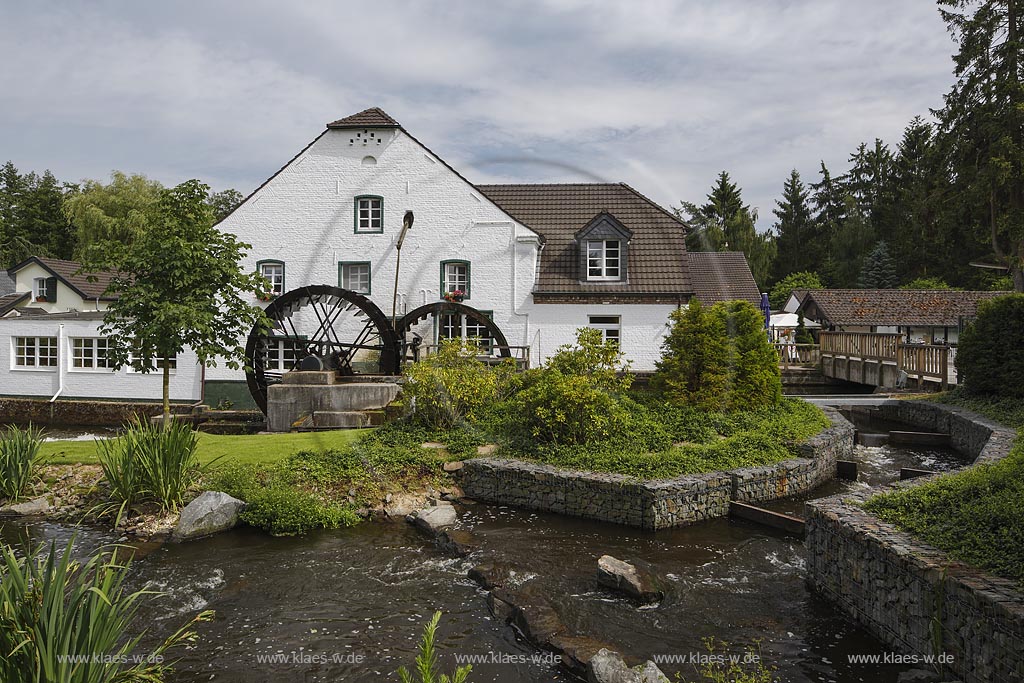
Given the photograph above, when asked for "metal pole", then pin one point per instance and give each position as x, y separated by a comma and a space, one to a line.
407, 222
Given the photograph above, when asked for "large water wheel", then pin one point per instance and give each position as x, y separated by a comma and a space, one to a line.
485, 328
320, 327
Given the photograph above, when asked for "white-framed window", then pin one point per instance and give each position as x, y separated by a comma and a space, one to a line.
354, 276
42, 288
158, 366
35, 352
603, 259
273, 272
455, 277
369, 214
610, 326
89, 353
284, 354
456, 325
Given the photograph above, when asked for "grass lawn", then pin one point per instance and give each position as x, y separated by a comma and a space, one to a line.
248, 449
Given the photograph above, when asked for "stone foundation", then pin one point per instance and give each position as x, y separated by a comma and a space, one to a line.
23, 411
911, 595
655, 504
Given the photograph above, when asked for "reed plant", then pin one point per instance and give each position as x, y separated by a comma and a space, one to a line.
64, 621
150, 461
19, 460
426, 661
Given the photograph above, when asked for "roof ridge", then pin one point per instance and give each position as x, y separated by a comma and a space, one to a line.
611, 184
371, 117
653, 203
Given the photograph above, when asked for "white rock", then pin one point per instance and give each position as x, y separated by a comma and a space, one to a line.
36, 506
434, 519
210, 513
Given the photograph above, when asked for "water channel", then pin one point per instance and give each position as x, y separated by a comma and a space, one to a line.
349, 604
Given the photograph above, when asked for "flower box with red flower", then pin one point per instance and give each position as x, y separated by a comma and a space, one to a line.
455, 296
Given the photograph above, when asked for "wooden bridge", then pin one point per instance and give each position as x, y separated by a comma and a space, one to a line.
882, 360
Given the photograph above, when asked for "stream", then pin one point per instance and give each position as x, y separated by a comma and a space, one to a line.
349, 605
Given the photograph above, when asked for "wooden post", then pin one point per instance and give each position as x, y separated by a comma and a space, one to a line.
944, 368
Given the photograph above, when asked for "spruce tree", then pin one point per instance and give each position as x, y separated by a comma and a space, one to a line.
797, 245
982, 123
879, 270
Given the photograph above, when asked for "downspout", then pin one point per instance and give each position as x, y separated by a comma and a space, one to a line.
60, 363
202, 388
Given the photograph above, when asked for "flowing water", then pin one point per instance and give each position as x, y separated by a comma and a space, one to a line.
349, 605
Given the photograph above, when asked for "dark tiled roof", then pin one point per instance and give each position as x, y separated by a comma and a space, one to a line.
374, 117
722, 276
9, 301
657, 252
899, 307
66, 272
6, 284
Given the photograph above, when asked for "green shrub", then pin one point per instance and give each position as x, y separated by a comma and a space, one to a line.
286, 510
19, 460
151, 461
576, 397
784, 287
52, 608
990, 359
719, 359
426, 660
454, 384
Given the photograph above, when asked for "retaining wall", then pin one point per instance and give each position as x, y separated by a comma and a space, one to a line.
82, 413
912, 595
656, 504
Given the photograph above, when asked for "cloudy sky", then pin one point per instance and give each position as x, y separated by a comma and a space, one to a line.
662, 95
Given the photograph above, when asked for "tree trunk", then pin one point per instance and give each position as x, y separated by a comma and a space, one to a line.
167, 394
1018, 278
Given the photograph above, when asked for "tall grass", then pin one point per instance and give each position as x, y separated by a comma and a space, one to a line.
63, 621
151, 461
19, 460
426, 660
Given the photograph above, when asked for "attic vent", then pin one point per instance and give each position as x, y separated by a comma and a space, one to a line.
369, 161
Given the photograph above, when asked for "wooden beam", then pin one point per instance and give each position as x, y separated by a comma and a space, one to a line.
846, 469
785, 523
919, 438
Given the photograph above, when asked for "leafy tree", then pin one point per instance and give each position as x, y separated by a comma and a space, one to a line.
116, 213
982, 123
803, 335
798, 245
784, 287
990, 359
178, 284
15, 243
224, 202
879, 271
31, 221
926, 283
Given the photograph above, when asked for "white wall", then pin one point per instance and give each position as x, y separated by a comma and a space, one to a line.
185, 385
644, 326
67, 298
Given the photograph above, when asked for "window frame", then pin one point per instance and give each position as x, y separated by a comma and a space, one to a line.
444, 276
604, 276
605, 327
487, 344
369, 275
53, 345
157, 369
94, 355
272, 262
280, 351
355, 215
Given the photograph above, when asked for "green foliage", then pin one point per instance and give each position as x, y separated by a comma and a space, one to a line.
31, 220
976, 515
286, 511
879, 269
999, 407
784, 287
799, 246
224, 202
576, 397
53, 608
20, 460
150, 461
990, 359
803, 335
116, 213
720, 359
454, 384
178, 284
926, 283
721, 667
426, 660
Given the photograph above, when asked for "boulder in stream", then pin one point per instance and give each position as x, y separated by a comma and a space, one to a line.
210, 513
609, 667
28, 508
636, 582
434, 520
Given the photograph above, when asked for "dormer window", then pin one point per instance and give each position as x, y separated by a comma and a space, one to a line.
369, 214
44, 289
603, 247
603, 259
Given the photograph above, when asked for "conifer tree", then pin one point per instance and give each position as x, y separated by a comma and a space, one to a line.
797, 243
879, 270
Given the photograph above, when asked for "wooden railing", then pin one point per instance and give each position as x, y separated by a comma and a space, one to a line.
921, 361
860, 344
797, 354
925, 361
